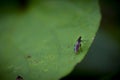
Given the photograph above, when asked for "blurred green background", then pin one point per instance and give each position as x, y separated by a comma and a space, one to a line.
103, 59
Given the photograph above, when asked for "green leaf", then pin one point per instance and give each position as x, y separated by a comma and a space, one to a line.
39, 44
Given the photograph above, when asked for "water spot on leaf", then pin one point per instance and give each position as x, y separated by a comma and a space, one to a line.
28, 56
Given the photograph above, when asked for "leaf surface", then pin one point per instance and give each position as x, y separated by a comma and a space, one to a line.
39, 44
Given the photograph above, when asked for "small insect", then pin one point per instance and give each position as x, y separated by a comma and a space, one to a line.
77, 45
19, 78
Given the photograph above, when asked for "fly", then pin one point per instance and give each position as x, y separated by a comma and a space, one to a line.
77, 45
